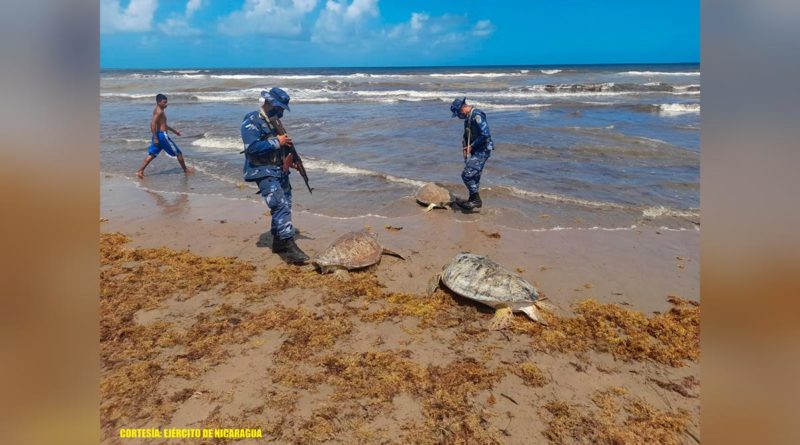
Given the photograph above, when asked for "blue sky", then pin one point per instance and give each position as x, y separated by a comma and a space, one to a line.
335, 33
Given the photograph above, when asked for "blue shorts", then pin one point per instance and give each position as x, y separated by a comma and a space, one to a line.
164, 143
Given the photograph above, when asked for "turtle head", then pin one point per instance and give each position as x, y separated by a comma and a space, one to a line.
433, 284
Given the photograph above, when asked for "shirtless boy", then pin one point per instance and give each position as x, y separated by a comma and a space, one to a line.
160, 137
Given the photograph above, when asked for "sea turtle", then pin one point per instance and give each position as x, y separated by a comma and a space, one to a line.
353, 250
479, 278
433, 196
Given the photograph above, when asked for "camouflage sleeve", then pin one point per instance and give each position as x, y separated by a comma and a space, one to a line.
251, 137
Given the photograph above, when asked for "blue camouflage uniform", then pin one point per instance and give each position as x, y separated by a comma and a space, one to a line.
262, 165
476, 133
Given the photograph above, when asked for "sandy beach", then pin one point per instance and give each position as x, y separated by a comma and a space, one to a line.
190, 340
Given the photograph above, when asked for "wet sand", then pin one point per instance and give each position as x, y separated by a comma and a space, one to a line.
636, 269
638, 266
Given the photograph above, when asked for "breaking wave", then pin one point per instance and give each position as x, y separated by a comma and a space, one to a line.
660, 73
507, 107
659, 211
490, 75
183, 71
676, 109
559, 198
335, 93
227, 144
344, 169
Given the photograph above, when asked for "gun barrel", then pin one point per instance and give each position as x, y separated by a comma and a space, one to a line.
298, 161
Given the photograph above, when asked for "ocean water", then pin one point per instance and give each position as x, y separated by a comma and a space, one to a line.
575, 146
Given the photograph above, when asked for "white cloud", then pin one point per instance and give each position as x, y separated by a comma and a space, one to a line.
483, 28
361, 8
192, 6
178, 27
418, 20
340, 22
137, 17
270, 17
447, 29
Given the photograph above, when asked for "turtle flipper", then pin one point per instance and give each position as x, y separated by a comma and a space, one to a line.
502, 319
392, 253
533, 313
430, 207
433, 284
342, 275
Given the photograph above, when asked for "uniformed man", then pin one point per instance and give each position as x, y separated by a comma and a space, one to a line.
477, 147
263, 164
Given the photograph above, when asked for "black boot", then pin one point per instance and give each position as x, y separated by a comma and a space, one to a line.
291, 253
474, 202
278, 245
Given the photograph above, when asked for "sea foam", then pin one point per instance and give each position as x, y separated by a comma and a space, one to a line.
676, 109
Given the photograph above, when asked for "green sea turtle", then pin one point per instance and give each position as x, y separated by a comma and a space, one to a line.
354, 250
480, 279
433, 196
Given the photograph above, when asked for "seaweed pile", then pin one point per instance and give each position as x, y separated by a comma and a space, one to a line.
387, 394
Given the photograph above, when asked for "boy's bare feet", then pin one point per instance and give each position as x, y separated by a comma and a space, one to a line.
140, 174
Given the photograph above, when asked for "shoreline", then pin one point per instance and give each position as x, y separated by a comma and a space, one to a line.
639, 266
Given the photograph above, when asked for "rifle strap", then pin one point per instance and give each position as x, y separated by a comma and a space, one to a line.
266, 119
273, 130
469, 126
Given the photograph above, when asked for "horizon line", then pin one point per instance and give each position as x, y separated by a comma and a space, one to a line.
564, 65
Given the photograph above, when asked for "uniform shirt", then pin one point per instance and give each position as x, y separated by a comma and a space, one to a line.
476, 131
261, 146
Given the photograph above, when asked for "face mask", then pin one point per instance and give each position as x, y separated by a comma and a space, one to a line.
275, 112
461, 115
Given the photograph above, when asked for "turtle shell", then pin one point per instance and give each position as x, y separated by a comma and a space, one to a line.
352, 250
431, 193
479, 278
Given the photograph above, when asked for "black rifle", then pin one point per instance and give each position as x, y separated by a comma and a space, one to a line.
290, 155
